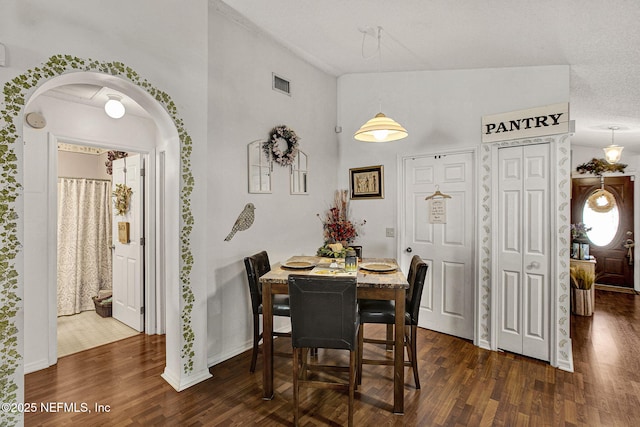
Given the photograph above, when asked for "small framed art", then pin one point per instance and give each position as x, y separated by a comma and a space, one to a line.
367, 182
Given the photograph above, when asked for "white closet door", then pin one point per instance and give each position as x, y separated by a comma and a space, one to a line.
524, 258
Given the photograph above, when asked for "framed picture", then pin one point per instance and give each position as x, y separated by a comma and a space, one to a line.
367, 183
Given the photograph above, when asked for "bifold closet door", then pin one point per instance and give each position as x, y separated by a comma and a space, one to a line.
523, 252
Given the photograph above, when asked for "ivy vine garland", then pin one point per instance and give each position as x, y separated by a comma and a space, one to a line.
12, 102
272, 146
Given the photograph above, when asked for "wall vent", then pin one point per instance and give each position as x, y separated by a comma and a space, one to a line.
281, 85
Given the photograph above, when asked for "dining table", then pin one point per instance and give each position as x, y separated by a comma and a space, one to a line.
377, 278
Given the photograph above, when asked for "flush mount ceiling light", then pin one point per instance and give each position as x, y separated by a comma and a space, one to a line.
380, 128
113, 107
613, 152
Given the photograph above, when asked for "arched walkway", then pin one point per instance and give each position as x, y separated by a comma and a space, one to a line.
60, 70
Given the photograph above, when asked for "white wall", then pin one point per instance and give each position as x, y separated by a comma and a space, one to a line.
441, 110
244, 108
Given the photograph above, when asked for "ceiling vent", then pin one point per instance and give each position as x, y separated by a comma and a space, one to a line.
281, 85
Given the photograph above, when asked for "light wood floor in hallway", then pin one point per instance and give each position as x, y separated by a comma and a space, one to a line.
462, 385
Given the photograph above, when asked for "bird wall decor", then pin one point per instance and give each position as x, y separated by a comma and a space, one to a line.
244, 221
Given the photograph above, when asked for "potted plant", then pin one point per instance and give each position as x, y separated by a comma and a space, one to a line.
582, 291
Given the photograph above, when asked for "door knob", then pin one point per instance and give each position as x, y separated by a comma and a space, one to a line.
409, 250
534, 264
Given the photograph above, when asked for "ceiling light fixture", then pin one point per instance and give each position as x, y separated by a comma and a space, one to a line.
114, 107
380, 128
613, 152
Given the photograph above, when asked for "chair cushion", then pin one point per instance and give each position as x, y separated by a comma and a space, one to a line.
280, 306
379, 311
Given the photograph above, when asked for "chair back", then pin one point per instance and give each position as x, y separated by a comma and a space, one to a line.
358, 249
256, 265
416, 278
324, 312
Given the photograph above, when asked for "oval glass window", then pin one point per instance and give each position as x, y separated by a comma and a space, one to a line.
604, 225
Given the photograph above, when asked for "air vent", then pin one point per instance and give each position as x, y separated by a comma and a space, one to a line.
281, 85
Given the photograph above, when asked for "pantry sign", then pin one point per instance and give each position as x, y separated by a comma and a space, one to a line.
540, 121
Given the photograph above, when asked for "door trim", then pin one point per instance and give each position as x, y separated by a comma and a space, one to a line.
560, 353
401, 225
152, 296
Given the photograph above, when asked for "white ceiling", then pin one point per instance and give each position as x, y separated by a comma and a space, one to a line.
600, 40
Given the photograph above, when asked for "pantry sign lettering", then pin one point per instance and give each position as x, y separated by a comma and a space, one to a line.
534, 122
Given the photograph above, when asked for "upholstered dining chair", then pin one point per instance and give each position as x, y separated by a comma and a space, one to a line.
383, 312
358, 249
324, 314
257, 265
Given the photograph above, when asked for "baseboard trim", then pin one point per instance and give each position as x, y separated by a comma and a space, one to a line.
615, 289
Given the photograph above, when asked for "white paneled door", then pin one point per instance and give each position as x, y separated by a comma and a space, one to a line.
523, 250
128, 269
444, 241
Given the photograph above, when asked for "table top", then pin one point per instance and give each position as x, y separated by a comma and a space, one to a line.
322, 266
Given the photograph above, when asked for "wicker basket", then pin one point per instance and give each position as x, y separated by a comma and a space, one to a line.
103, 306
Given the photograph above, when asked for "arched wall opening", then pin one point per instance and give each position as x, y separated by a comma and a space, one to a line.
173, 150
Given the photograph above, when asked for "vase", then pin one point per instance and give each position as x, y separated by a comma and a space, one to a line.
582, 301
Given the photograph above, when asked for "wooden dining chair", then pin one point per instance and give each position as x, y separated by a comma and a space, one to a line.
324, 314
257, 265
383, 312
358, 249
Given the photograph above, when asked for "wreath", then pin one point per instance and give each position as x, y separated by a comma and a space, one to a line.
122, 195
272, 147
595, 201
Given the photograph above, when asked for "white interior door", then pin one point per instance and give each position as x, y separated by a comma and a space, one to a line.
128, 269
523, 251
447, 299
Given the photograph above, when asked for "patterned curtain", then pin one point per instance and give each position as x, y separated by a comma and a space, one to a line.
84, 242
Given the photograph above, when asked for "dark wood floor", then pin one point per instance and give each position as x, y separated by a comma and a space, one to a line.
462, 385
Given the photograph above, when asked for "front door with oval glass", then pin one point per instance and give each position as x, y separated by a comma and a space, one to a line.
611, 236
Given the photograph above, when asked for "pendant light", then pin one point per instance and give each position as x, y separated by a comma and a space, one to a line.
613, 152
114, 107
380, 128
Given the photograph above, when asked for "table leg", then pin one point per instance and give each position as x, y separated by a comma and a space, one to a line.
267, 342
398, 357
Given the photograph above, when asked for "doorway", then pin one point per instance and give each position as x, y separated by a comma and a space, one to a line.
610, 220
86, 236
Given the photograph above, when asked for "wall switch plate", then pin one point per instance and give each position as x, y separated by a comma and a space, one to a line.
391, 232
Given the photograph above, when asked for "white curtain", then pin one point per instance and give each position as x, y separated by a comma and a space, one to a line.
84, 242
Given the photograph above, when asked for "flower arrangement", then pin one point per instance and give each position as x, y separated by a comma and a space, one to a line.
338, 230
111, 156
332, 250
582, 279
122, 195
579, 230
599, 166
272, 146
